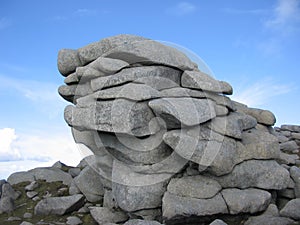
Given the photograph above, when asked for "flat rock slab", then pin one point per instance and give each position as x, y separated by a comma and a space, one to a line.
175, 206
151, 52
119, 116
167, 76
179, 112
292, 209
59, 205
194, 187
89, 183
104, 215
131, 91
264, 174
246, 201
202, 81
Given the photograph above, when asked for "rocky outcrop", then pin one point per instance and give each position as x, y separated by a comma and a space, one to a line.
169, 146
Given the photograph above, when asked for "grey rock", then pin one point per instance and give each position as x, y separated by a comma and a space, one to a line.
262, 116
31, 194
72, 78
27, 215
133, 198
179, 112
67, 61
73, 220
246, 201
295, 174
131, 91
1, 183
292, 209
147, 214
168, 76
141, 222
133, 150
8, 191
296, 136
108, 200
289, 159
269, 217
74, 91
151, 52
13, 218
104, 215
20, 177
264, 174
89, 183
119, 116
74, 172
293, 128
73, 189
51, 174
36, 198
33, 185
221, 110
218, 222
179, 92
194, 186
58, 165
94, 50
287, 193
59, 205
202, 81
289, 146
176, 206
26, 223
7, 205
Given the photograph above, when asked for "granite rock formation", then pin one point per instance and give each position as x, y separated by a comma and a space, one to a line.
169, 146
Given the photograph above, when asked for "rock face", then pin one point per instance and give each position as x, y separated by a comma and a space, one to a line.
169, 147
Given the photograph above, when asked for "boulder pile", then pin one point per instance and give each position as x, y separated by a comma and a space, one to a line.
168, 145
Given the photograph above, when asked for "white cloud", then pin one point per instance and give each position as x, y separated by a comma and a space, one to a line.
85, 12
182, 8
261, 92
285, 17
42, 148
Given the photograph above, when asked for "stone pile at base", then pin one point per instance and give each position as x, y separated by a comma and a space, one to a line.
168, 145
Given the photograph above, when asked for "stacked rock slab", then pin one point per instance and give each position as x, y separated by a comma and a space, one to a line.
167, 141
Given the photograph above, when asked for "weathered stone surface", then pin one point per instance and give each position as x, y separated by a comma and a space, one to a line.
194, 187
89, 183
132, 150
262, 116
269, 217
246, 201
73, 220
7, 204
176, 206
74, 91
265, 174
19, 177
94, 50
59, 205
289, 146
74, 172
33, 185
67, 61
293, 128
104, 215
108, 65
141, 222
202, 81
218, 222
221, 110
295, 174
31, 194
26, 223
133, 198
170, 77
131, 91
292, 209
179, 92
119, 116
151, 52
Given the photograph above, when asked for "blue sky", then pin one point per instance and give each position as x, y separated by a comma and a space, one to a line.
253, 45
